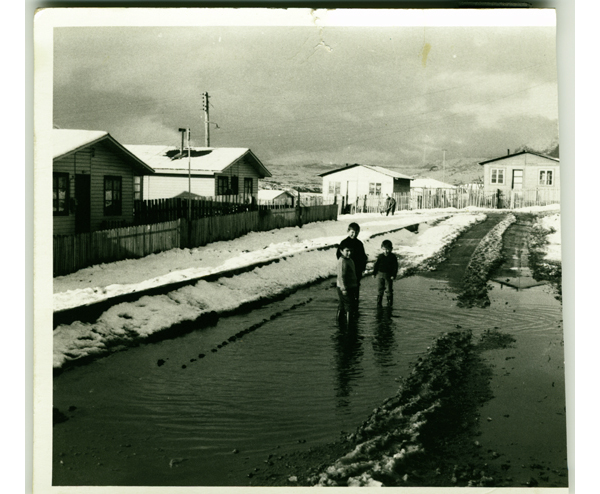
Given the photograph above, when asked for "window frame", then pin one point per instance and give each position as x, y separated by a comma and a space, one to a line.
222, 185
137, 188
495, 176
548, 172
248, 181
334, 187
374, 188
114, 205
56, 176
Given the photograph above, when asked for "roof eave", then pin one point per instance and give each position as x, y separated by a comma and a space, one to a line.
139, 163
260, 168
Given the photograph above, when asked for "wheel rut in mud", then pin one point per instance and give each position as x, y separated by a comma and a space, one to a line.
453, 268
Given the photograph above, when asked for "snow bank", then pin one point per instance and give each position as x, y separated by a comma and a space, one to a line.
397, 431
130, 322
105, 281
553, 247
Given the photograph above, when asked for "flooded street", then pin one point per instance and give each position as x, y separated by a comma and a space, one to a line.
192, 411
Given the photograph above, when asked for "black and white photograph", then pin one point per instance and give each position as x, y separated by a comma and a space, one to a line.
287, 248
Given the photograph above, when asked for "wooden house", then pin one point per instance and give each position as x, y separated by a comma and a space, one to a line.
521, 172
353, 181
92, 181
276, 197
223, 173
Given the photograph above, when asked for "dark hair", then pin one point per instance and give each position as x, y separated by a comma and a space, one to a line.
387, 244
354, 226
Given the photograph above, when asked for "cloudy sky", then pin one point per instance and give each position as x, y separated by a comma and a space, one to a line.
373, 95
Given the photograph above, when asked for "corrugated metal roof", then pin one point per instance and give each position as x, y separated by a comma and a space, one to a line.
378, 169
203, 160
65, 141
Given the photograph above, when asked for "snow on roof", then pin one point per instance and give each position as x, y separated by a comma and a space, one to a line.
67, 140
430, 183
269, 195
378, 169
385, 171
204, 160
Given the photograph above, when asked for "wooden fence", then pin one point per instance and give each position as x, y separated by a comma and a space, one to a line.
160, 210
74, 252
459, 197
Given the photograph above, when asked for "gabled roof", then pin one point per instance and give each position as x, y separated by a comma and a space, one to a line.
430, 183
203, 161
68, 141
379, 169
269, 195
517, 154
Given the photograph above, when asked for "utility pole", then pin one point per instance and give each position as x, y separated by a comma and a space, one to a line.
206, 127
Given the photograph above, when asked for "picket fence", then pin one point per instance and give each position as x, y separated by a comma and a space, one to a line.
74, 252
459, 197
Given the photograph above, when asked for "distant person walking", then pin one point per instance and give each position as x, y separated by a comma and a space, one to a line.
358, 254
347, 285
385, 271
390, 205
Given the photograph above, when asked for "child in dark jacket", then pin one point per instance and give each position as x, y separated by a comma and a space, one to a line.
385, 271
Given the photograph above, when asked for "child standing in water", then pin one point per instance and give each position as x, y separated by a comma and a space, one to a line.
347, 284
385, 271
358, 254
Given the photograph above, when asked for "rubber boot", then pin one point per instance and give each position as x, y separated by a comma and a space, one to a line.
380, 300
339, 314
348, 319
390, 300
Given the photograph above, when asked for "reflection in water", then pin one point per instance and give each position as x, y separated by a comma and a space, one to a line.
348, 354
384, 344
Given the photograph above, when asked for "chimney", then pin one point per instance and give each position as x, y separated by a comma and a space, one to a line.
508, 152
183, 131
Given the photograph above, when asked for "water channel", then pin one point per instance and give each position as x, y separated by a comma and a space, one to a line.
177, 413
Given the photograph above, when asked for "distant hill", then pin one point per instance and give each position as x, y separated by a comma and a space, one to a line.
305, 177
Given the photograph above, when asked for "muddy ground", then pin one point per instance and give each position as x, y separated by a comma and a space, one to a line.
511, 395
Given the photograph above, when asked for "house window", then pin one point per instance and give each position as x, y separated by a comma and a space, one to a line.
248, 187
334, 188
112, 196
374, 188
222, 185
235, 188
545, 177
60, 194
137, 188
497, 176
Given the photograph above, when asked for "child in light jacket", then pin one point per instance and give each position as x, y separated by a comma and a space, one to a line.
347, 284
385, 271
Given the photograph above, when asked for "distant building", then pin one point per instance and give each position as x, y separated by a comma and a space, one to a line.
278, 197
356, 180
231, 173
521, 171
429, 183
92, 181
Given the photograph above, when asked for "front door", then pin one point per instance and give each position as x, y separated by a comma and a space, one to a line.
517, 179
83, 209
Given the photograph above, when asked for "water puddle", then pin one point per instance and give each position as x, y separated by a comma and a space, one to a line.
209, 408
